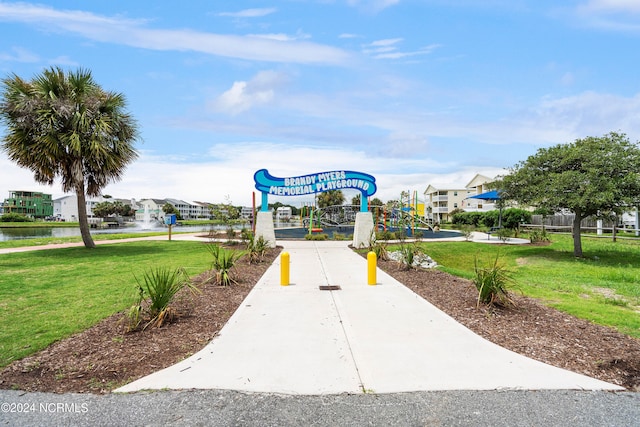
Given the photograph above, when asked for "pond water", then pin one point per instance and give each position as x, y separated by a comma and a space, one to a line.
40, 232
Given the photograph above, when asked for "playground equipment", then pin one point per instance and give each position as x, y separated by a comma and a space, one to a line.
402, 216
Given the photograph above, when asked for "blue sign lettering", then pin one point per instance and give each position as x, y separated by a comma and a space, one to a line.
314, 183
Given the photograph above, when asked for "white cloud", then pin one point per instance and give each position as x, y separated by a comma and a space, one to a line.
250, 13
586, 114
229, 171
386, 42
610, 15
64, 60
372, 5
397, 55
387, 49
19, 54
625, 6
131, 32
281, 36
243, 95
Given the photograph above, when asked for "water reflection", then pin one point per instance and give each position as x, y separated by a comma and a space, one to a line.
40, 232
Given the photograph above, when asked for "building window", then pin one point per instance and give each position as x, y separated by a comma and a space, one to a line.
455, 193
455, 205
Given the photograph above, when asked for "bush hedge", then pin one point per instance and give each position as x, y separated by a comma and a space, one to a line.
511, 218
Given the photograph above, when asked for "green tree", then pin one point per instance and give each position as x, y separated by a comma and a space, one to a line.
373, 202
330, 198
376, 202
125, 210
103, 209
64, 125
225, 212
590, 176
168, 208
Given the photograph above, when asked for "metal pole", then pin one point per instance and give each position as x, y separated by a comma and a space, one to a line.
284, 269
372, 261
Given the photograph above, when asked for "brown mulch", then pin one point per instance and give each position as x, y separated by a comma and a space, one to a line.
531, 328
105, 356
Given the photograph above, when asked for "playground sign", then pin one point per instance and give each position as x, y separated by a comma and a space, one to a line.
314, 183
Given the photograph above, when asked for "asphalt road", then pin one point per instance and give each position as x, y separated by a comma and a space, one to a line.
230, 408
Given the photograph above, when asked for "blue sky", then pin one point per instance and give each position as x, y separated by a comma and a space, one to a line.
413, 92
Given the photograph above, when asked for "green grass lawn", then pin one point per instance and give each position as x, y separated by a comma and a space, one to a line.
40, 241
603, 287
48, 295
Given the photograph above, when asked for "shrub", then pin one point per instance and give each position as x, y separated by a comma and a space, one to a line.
467, 231
245, 235
223, 263
409, 253
468, 218
159, 286
492, 283
504, 234
490, 219
338, 236
379, 248
256, 248
385, 235
513, 217
15, 217
316, 236
231, 234
538, 236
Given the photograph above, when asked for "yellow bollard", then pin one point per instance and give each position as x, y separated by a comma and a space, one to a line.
372, 261
284, 269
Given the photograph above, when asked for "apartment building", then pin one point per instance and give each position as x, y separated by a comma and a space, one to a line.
478, 185
28, 203
440, 202
66, 208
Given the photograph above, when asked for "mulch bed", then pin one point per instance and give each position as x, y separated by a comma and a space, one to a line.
105, 356
531, 328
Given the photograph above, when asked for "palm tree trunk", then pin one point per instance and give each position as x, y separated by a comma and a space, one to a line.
577, 241
82, 217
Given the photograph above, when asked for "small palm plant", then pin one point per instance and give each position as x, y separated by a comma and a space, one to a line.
256, 248
223, 263
409, 254
493, 283
378, 247
159, 286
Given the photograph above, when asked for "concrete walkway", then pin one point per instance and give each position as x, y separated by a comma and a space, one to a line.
298, 339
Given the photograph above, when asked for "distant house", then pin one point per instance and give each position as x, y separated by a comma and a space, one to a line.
442, 201
28, 203
151, 207
201, 210
66, 207
478, 185
283, 213
246, 212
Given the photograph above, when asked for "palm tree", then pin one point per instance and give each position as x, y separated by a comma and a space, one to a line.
330, 198
64, 125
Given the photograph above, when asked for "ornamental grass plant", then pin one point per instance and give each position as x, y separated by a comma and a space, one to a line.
156, 291
493, 283
223, 262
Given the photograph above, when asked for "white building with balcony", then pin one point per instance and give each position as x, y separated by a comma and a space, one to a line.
478, 185
440, 202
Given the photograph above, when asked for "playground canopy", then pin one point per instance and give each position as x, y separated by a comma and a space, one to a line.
493, 196
489, 195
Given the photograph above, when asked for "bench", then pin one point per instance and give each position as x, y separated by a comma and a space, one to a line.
491, 231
